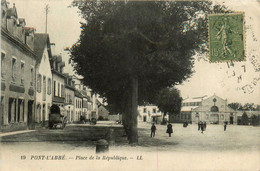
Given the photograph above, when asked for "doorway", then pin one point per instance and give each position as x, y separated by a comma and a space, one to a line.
231, 119
29, 114
144, 118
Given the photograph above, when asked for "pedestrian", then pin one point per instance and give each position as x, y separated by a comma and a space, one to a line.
199, 125
153, 129
204, 125
169, 129
225, 126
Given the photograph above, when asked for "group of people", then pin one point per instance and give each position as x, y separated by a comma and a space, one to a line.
202, 126
168, 130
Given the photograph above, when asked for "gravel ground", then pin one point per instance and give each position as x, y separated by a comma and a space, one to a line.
188, 149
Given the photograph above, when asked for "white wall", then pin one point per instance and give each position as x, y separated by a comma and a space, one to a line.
45, 70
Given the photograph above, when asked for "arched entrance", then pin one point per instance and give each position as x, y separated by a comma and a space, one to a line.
214, 118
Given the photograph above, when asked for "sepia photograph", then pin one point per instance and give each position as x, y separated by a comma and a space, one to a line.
133, 85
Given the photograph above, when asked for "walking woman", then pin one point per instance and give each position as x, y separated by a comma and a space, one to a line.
169, 129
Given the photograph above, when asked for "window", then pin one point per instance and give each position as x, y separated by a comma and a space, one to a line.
54, 88
22, 73
43, 112
145, 110
222, 117
14, 69
59, 89
48, 111
32, 76
3, 58
38, 115
11, 110
154, 110
49, 86
44, 88
39, 83
20, 110
62, 90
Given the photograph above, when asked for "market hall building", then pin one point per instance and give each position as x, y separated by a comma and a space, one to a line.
212, 110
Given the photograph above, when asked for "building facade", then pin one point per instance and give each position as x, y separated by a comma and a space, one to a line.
43, 78
58, 81
78, 106
149, 113
69, 98
213, 110
102, 111
17, 71
188, 105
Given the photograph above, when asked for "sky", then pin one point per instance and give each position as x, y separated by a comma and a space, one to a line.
237, 83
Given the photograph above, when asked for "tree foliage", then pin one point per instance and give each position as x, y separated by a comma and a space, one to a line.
235, 106
169, 101
153, 41
129, 51
244, 119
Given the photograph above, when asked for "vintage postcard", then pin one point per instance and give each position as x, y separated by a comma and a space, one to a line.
130, 85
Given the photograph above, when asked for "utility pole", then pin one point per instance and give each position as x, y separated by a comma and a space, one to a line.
46, 12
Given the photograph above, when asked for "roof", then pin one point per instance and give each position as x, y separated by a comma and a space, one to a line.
40, 42
194, 99
78, 94
188, 108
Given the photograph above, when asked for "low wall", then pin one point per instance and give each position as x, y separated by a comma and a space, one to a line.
115, 117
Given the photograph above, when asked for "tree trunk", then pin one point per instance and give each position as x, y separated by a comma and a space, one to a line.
133, 133
130, 114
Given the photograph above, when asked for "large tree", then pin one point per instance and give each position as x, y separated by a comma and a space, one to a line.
168, 101
128, 51
235, 106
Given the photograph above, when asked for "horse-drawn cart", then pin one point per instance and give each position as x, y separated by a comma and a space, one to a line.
56, 118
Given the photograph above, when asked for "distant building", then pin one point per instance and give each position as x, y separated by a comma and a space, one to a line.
58, 80
17, 71
102, 111
188, 105
149, 113
43, 78
214, 110
78, 106
69, 98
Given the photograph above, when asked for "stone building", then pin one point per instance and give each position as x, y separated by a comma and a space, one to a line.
78, 105
188, 105
102, 111
17, 71
149, 113
58, 81
43, 78
69, 98
213, 110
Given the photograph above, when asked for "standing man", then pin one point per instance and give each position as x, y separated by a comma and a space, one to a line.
204, 125
200, 125
153, 129
225, 126
169, 129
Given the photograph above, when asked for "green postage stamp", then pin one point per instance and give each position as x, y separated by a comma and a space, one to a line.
226, 37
